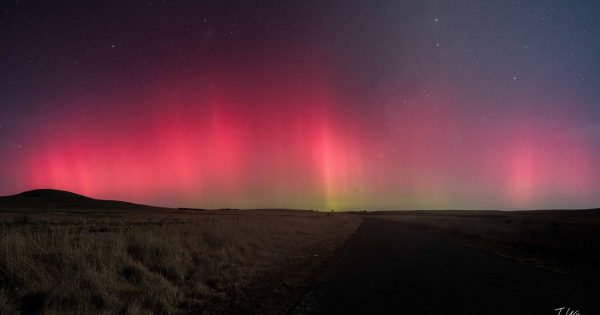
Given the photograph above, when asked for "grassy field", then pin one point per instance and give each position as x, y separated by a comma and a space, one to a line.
162, 261
565, 241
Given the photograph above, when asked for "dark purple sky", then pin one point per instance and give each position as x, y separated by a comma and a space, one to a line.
305, 104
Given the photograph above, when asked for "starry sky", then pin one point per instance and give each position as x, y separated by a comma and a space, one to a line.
415, 104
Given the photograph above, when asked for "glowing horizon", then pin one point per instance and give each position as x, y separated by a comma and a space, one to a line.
200, 147
395, 105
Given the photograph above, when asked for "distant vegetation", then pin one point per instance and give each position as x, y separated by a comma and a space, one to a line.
177, 262
560, 240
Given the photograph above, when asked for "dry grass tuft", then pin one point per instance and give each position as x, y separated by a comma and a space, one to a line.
175, 263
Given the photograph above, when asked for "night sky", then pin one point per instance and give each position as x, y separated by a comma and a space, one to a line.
305, 104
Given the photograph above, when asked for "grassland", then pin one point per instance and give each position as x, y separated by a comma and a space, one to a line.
566, 241
162, 261
62, 253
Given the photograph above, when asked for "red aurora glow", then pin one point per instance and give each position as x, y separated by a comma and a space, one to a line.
303, 104
287, 143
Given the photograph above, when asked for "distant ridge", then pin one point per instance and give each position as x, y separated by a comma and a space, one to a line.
53, 199
466, 213
48, 194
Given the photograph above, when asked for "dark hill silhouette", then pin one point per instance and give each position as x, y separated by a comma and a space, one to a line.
49, 194
52, 199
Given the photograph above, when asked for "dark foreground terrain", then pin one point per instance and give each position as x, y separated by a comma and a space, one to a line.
401, 268
62, 253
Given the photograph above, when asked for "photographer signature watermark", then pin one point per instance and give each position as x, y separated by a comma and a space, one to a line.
567, 311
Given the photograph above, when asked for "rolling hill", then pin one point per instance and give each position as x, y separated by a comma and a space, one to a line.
51, 199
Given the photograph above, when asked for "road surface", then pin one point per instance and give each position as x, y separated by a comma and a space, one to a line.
392, 268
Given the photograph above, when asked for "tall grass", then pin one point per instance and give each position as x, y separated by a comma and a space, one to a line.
218, 264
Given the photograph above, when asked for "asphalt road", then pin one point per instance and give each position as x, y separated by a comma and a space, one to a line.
391, 268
